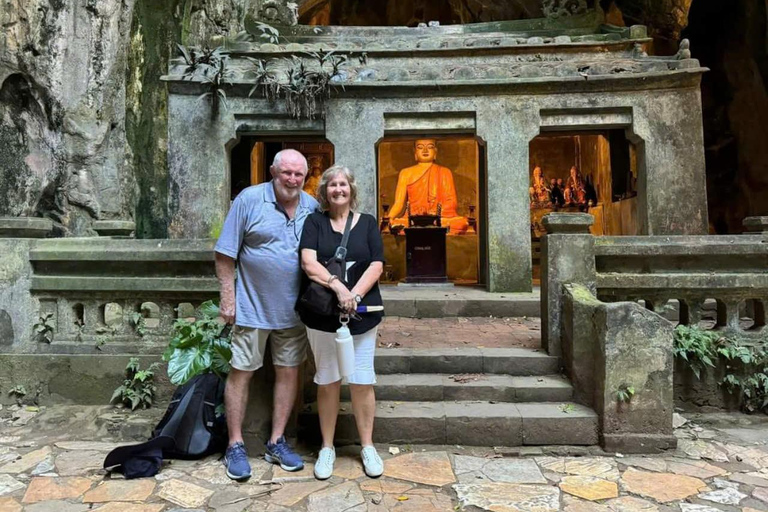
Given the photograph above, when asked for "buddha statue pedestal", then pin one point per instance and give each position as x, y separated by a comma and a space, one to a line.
425, 255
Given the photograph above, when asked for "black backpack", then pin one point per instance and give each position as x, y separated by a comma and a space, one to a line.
190, 429
191, 419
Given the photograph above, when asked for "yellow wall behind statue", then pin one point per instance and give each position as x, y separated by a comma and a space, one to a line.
459, 155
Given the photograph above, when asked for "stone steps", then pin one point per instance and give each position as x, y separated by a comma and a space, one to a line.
466, 396
508, 361
437, 387
471, 423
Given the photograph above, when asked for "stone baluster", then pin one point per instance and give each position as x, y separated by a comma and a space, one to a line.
567, 256
756, 225
690, 311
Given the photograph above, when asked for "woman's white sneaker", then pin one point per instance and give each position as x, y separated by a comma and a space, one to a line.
372, 463
324, 464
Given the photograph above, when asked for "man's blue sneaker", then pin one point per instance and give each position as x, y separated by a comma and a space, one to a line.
282, 453
236, 460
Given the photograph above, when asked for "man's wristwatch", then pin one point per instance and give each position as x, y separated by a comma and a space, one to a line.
358, 299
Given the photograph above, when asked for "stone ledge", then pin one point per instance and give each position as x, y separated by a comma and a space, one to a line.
567, 223
114, 227
638, 443
25, 227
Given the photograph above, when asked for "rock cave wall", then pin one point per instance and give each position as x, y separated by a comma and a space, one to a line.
63, 150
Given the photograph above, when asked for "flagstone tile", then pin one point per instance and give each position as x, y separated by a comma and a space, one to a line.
573, 504
183, 493
8, 484
280, 475
385, 486
62, 488
694, 468
26, 462
502, 497
292, 493
79, 462
756, 479
589, 487
466, 464
88, 445
9, 504
56, 506
229, 500
339, 497
692, 507
513, 471
697, 449
649, 463
130, 507
120, 490
662, 487
631, 504
726, 496
760, 493
428, 468
349, 468
397, 502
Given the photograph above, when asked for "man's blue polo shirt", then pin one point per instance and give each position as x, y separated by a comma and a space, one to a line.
265, 243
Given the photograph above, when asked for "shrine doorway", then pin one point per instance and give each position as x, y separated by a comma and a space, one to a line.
592, 171
251, 157
458, 187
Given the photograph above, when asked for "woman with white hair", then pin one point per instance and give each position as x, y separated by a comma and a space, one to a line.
322, 234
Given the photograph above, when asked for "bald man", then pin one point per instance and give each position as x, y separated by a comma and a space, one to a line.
262, 233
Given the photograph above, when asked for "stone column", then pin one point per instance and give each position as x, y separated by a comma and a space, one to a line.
354, 132
567, 256
507, 134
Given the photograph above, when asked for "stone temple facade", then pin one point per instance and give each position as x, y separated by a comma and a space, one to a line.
503, 83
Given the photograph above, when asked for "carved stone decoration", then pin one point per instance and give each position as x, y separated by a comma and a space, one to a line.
685, 50
274, 12
559, 8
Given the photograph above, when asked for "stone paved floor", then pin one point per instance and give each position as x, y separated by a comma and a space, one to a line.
50, 461
452, 332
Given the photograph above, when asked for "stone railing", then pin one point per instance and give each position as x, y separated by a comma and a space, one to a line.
112, 295
602, 305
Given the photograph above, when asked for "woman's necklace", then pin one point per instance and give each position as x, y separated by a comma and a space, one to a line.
340, 224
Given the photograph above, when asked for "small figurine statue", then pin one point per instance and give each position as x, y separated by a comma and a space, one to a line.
575, 189
539, 192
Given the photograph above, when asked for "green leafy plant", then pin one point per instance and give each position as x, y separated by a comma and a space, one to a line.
216, 80
138, 389
198, 347
696, 347
746, 373
746, 366
205, 60
268, 32
18, 392
44, 328
625, 393
139, 323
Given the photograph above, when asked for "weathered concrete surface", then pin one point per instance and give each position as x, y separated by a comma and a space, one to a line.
567, 255
71, 378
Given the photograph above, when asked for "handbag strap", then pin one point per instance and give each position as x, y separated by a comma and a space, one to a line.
341, 250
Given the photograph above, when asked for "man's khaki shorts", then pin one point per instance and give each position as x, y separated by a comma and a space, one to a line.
289, 347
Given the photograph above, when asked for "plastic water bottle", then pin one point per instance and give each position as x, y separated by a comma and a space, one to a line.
345, 351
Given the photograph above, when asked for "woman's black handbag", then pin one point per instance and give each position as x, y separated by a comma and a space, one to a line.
317, 298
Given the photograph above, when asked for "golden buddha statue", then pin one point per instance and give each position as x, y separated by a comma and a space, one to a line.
314, 174
424, 187
539, 193
575, 188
